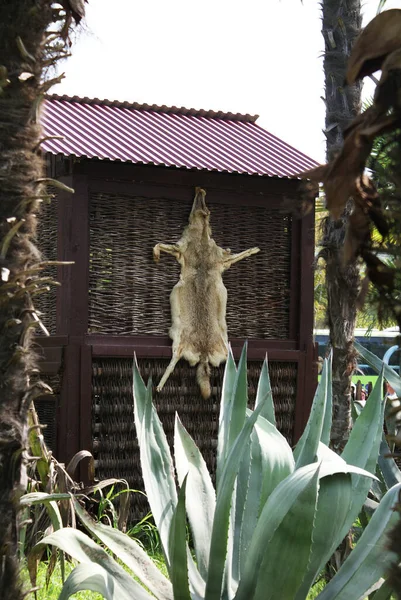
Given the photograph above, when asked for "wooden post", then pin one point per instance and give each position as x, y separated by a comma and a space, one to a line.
307, 367
72, 310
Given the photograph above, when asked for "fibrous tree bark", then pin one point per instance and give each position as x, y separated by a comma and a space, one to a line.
341, 26
32, 37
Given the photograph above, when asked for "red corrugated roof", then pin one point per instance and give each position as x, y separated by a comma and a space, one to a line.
168, 136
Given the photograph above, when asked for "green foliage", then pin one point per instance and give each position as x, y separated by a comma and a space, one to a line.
273, 521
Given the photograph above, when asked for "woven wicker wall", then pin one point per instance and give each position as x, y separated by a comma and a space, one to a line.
129, 293
115, 444
47, 243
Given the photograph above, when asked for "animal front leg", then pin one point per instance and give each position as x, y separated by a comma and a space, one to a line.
173, 249
174, 360
230, 260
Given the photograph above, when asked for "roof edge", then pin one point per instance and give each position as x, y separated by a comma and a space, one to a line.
229, 116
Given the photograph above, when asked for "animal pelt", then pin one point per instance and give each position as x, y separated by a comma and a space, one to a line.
198, 301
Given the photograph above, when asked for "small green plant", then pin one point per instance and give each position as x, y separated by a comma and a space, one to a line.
271, 525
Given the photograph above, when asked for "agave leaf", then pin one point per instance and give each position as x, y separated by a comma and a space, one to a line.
267, 461
230, 373
200, 494
50, 501
233, 416
156, 462
82, 548
239, 402
264, 394
390, 471
326, 429
129, 552
92, 577
281, 507
306, 449
158, 471
384, 592
178, 549
140, 394
274, 583
362, 449
283, 500
244, 509
332, 509
276, 456
378, 365
370, 559
221, 520
327, 454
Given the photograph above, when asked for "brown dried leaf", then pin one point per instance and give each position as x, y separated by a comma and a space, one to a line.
379, 39
358, 233
379, 274
388, 91
346, 172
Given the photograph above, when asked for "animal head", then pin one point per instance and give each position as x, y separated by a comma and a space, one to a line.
200, 214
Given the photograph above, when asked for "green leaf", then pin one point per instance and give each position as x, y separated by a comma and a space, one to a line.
234, 408
91, 577
370, 559
384, 592
332, 510
264, 395
200, 494
378, 365
326, 429
281, 501
277, 460
129, 552
178, 549
305, 452
390, 471
268, 461
82, 548
50, 501
221, 520
281, 509
156, 462
362, 449
230, 373
239, 402
289, 547
158, 471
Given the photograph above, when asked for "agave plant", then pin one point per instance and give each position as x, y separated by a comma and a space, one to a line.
273, 521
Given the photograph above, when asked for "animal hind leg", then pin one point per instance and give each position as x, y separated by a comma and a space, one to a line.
174, 360
230, 260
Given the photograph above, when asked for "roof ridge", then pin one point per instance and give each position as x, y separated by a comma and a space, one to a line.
228, 116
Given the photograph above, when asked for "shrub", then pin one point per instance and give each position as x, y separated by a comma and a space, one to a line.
276, 516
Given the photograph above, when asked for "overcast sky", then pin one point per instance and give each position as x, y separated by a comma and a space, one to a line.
254, 56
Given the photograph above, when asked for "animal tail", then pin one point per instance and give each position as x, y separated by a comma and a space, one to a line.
203, 378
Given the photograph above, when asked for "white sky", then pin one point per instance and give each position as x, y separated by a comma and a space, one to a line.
257, 56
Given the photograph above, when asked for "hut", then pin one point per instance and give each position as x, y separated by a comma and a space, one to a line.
134, 168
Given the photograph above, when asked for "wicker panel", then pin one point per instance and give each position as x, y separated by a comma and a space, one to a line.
47, 243
115, 444
129, 293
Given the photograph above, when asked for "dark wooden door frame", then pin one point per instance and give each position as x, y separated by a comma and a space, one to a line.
73, 297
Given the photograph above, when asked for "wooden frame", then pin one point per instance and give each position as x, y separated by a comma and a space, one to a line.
87, 176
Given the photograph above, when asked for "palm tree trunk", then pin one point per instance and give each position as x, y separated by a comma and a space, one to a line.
24, 54
341, 25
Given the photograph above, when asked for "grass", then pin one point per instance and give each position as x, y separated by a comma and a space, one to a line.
55, 584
